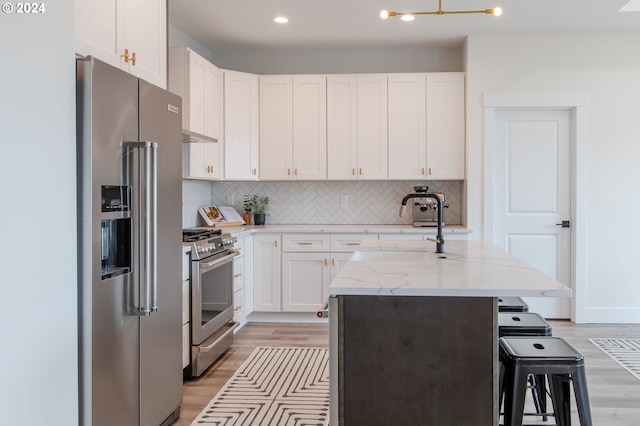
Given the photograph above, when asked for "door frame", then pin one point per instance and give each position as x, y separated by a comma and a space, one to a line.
577, 103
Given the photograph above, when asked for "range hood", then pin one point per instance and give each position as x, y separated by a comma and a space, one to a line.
192, 137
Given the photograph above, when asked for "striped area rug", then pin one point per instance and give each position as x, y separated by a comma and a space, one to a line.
625, 352
274, 386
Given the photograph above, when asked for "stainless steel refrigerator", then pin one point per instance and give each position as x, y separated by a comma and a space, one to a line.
130, 250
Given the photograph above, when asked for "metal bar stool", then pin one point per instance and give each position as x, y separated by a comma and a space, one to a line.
512, 304
527, 324
553, 357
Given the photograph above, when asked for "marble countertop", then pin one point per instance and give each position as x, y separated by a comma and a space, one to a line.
467, 268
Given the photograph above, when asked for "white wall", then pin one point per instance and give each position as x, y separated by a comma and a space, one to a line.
38, 329
607, 68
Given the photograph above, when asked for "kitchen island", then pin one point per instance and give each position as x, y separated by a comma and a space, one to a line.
413, 333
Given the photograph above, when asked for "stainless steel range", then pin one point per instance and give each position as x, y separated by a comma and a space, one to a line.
211, 276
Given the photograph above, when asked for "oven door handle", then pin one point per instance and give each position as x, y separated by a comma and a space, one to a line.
205, 266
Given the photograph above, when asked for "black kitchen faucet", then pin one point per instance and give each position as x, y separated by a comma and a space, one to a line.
403, 209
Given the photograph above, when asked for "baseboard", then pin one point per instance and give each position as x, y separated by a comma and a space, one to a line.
612, 315
290, 317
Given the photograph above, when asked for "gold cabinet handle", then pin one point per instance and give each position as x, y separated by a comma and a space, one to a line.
237, 275
326, 262
423, 170
275, 243
353, 244
125, 55
333, 261
360, 170
429, 170
237, 308
295, 171
305, 243
133, 58
253, 172
353, 172
288, 172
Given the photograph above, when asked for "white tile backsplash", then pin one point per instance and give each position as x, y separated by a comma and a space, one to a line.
319, 202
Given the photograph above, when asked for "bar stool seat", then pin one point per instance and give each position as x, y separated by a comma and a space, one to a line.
512, 304
522, 324
527, 324
553, 357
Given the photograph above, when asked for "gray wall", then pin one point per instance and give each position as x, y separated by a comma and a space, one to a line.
38, 305
337, 61
326, 61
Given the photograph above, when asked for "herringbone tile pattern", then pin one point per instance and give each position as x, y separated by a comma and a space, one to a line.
369, 202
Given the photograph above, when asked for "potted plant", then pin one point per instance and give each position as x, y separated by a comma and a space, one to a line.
256, 205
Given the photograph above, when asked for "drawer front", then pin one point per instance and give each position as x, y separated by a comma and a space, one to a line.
185, 266
238, 306
186, 346
349, 242
185, 302
239, 247
238, 273
306, 242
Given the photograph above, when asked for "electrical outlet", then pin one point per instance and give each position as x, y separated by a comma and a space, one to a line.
344, 201
231, 199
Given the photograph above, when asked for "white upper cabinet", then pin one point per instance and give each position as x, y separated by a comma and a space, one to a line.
445, 126
342, 126
293, 127
116, 31
372, 126
200, 84
309, 127
241, 126
357, 126
407, 126
276, 132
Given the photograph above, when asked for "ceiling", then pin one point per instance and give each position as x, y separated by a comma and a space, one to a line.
247, 24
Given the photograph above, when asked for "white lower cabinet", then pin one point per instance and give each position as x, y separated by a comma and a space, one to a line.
305, 281
266, 273
309, 263
239, 315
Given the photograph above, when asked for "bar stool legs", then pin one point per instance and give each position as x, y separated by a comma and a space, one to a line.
563, 365
561, 397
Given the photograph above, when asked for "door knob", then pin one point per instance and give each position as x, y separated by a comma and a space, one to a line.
564, 224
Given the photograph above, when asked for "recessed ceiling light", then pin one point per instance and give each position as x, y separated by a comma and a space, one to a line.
281, 19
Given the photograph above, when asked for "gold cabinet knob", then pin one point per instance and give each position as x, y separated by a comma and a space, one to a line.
133, 58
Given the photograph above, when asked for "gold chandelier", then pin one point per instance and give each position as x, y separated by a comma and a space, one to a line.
410, 16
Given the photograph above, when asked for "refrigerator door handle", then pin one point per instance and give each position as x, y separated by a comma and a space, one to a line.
148, 226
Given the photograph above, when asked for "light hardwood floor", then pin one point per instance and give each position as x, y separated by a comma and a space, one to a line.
614, 393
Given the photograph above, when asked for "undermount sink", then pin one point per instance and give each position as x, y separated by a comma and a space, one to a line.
393, 256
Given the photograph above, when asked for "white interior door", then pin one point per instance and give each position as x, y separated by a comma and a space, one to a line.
533, 195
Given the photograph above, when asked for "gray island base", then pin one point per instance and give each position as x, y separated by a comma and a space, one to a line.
417, 360
414, 336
